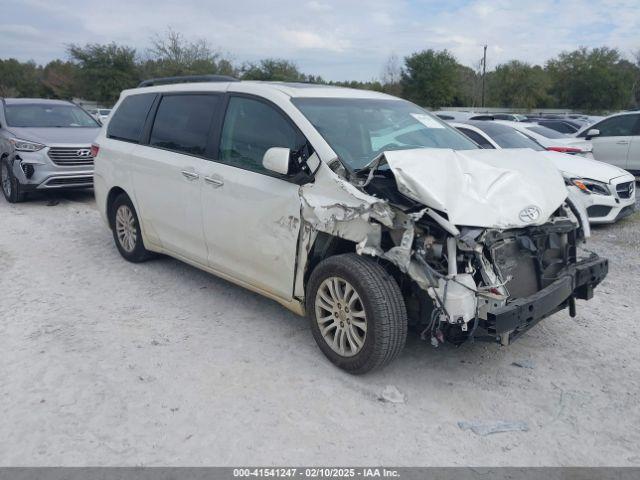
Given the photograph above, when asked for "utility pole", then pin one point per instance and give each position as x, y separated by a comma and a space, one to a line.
484, 71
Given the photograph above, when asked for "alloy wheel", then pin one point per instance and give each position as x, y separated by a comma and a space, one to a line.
126, 228
341, 316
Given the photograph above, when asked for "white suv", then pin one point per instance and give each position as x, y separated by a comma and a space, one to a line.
357, 208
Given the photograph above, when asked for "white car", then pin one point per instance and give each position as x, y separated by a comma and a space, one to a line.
103, 113
606, 192
462, 116
551, 139
616, 140
356, 208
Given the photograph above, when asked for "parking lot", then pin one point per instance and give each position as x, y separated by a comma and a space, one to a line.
109, 363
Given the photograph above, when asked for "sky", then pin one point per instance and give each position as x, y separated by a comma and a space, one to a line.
337, 39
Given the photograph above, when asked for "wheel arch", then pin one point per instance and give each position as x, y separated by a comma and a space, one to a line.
111, 196
327, 245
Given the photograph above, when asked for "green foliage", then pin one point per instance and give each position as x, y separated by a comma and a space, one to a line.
276, 69
592, 80
517, 84
20, 79
60, 79
467, 87
430, 77
104, 70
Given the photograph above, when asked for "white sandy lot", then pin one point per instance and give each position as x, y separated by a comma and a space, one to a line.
103, 362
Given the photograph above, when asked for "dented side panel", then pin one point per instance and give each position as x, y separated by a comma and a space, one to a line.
251, 226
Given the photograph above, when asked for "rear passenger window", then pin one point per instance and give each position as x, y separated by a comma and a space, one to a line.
476, 137
183, 123
252, 127
128, 120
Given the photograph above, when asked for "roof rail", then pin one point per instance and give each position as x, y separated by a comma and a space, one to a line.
187, 79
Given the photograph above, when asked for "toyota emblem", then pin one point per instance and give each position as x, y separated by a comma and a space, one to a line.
529, 214
83, 152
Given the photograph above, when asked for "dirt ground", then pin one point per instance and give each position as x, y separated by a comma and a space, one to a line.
103, 362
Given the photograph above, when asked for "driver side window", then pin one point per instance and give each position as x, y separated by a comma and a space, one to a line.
250, 128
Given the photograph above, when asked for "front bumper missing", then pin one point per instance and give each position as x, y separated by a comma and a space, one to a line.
577, 281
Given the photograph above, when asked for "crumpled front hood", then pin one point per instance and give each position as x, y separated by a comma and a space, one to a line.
481, 188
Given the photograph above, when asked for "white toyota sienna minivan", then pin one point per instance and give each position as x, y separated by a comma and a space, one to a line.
356, 208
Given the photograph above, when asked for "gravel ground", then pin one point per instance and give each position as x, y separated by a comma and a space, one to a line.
108, 363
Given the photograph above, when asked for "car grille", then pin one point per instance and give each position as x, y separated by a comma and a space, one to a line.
62, 181
625, 190
70, 156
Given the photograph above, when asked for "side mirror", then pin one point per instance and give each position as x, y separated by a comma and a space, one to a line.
276, 159
593, 132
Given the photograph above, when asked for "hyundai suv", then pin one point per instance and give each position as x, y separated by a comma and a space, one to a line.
361, 210
44, 145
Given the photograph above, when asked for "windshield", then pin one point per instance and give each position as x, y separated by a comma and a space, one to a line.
358, 130
507, 137
45, 116
546, 132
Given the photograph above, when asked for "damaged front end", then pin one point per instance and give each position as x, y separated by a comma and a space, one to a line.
496, 284
479, 249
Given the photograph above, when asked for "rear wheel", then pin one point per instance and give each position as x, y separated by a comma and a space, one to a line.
126, 230
11, 188
357, 313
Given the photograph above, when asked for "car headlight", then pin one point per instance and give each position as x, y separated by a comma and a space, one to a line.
587, 185
25, 146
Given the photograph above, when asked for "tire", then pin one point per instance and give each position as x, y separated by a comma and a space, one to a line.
126, 230
379, 303
11, 188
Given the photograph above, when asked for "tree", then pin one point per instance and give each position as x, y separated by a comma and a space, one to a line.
430, 78
392, 76
20, 79
517, 84
592, 80
468, 87
60, 79
173, 55
273, 69
104, 70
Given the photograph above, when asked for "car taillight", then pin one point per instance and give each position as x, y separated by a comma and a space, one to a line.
565, 149
95, 148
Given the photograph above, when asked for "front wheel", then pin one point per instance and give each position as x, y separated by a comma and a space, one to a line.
11, 188
357, 313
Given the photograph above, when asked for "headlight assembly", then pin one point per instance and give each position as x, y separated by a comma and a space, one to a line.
586, 185
25, 146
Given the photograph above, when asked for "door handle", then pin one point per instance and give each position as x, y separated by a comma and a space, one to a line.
190, 175
216, 182
622, 142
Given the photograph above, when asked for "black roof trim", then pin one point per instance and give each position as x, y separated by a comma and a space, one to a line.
187, 79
